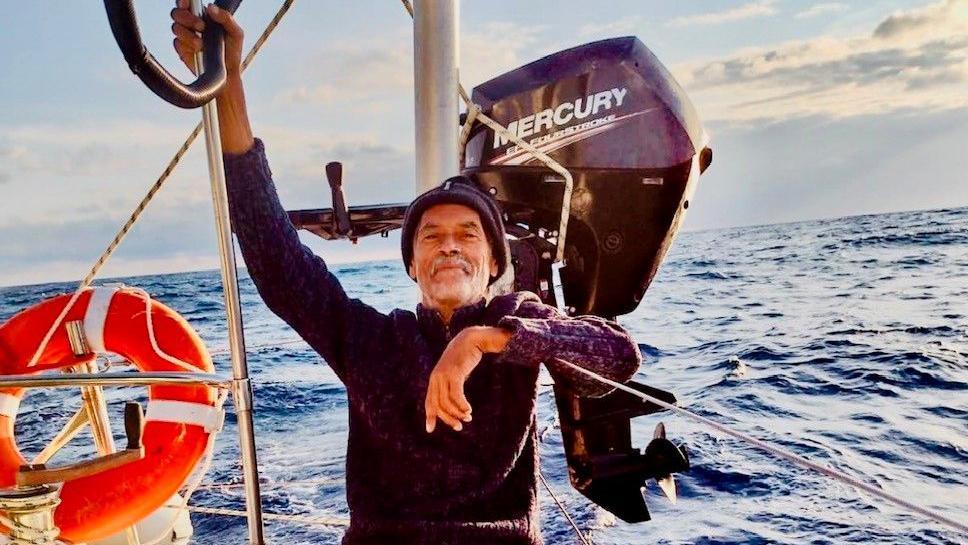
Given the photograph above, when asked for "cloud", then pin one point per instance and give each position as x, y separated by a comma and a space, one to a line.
371, 75
98, 149
761, 8
481, 60
821, 9
920, 63
352, 75
922, 20
174, 239
625, 25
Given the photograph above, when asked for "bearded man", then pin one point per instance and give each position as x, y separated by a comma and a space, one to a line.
464, 358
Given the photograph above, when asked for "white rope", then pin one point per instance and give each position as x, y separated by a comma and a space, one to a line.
782, 453
154, 342
320, 521
280, 484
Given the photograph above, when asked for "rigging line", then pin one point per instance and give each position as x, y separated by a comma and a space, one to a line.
109, 361
320, 521
265, 485
109, 251
561, 507
782, 453
257, 347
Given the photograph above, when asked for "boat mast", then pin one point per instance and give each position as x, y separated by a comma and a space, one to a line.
242, 388
436, 47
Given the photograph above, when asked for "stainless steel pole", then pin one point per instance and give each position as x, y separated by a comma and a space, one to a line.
242, 388
436, 49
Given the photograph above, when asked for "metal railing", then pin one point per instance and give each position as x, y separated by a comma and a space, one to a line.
114, 379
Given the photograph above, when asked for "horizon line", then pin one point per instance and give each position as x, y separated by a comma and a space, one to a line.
391, 258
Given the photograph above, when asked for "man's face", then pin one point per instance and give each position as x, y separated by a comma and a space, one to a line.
452, 260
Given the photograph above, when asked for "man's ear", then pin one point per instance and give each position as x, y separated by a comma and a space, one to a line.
493, 267
412, 272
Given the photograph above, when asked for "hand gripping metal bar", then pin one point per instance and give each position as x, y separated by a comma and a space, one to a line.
124, 26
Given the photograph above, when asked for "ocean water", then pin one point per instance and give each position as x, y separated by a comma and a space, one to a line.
843, 340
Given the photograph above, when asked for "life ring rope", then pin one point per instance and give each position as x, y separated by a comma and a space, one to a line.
95, 318
151, 334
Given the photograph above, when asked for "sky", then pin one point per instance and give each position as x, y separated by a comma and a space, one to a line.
814, 109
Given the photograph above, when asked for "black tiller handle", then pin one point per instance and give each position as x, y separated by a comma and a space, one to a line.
124, 26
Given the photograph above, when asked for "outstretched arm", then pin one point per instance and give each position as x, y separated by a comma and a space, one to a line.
536, 334
542, 334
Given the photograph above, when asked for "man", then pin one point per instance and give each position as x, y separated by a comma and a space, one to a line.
463, 359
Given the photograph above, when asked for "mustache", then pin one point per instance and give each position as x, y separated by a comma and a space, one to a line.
450, 261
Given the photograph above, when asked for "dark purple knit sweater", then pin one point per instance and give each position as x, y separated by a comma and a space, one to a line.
404, 485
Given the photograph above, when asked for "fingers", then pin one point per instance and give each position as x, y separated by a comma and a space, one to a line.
187, 42
450, 421
445, 400
435, 410
184, 17
186, 54
186, 37
459, 404
430, 407
442, 406
225, 19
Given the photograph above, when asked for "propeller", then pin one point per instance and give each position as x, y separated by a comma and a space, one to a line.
666, 482
662, 453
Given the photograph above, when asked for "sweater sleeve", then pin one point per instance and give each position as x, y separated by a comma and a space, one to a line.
540, 334
294, 282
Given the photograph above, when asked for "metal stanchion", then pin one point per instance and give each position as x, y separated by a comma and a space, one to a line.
242, 389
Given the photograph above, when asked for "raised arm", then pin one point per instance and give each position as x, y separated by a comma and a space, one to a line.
294, 283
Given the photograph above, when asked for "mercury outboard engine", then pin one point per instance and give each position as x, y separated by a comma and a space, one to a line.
612, 115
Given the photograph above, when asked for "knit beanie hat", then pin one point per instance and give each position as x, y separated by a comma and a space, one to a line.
458, 190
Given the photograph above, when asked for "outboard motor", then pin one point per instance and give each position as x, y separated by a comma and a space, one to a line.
612, 115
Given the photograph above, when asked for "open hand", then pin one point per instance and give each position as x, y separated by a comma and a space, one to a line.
445, 390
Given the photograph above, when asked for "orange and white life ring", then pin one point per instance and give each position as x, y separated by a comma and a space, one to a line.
178, 422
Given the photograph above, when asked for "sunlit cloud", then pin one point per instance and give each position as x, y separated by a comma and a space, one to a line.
481, 60
105, 148
625, 25
369, 75
948, 17
913, 60
763, 8
823, 8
